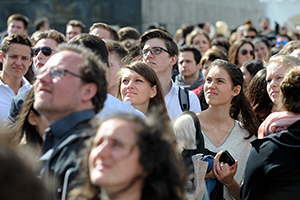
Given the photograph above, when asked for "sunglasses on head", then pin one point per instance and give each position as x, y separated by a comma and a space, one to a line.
250, 36
47, 51
244, 52
284, 42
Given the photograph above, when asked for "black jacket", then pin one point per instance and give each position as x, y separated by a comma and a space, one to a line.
273, 167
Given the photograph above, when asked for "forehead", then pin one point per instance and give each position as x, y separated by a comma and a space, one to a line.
200, 37
218, 72
250, 33
117, 129
276, 68
65, 59
154, 42
186, 55
246, 46
46, 42
16, 23
19, 49
101, 32
260, 44
74, 29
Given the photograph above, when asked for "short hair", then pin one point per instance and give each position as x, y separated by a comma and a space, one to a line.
283, 35
224, 44
77, 23
49, 34
92, 71
19, 17
250, 28
196, 52
15, 38
94, 43
253, 66
116, 47
290, 47
128, 33
40, 23
196, 32
288, 90
113, 33
211, 55
166, 37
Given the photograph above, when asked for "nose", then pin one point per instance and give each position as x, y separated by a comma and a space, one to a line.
18, 61
103, 150
148, 55
129, 84
273, 83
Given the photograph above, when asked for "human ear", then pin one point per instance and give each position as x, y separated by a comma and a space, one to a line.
153, 92
173, 60
90, 91
236, 90
32, 118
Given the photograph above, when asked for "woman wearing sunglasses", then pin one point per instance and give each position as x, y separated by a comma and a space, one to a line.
241, 51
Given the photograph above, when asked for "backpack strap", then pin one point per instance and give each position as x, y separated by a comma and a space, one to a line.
183, 95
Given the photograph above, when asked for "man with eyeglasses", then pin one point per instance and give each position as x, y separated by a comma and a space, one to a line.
160, 52
45, 44
16, 57
70, 89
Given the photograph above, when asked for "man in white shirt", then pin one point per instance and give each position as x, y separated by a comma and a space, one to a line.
160, 52
16, 57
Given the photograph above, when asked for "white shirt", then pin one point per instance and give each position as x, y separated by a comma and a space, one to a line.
113, 105
173, 104
6, 94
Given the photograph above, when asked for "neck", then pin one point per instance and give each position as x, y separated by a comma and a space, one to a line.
165, 81
190, 80
132, 193
14, 84
141, 107
112, 90
217, 114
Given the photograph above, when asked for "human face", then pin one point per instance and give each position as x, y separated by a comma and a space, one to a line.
246, 75
16, 26
162, 63
187, 64
201, 43
262, 52
281, 41
114, 158
250, 35
40, 59
58, 97
16, 61
101, 33
275, 74
114, 68
72, 31
218, 88
136, 89
242, 58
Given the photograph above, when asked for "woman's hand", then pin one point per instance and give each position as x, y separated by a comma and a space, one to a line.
225, 173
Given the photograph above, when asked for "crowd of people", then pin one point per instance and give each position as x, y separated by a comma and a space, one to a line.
116, 114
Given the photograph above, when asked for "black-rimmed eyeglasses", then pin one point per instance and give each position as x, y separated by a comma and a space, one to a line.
56, 73
153, 51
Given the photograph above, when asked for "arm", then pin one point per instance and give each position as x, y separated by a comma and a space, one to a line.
225, 174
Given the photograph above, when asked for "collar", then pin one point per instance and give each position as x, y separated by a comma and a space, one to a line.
61, 127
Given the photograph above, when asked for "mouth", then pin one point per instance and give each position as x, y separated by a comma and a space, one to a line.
101, 166
18, 69
39, 65
274, 93
211, 94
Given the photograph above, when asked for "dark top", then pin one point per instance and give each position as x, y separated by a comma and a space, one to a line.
60, 163
273, 167
179, 81
16, 106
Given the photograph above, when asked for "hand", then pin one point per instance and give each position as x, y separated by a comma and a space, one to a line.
223, 172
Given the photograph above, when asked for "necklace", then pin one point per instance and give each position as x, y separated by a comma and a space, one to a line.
213, 129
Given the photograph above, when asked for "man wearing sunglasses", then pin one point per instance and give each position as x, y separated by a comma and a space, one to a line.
250, 33
45, 47
159, 51
16, 57
70, 89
